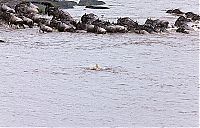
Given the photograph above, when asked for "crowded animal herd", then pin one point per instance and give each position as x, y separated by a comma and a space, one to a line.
26, 14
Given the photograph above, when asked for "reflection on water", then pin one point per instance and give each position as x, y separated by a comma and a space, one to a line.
147, 80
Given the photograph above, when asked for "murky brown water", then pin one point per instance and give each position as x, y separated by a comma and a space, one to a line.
149, 80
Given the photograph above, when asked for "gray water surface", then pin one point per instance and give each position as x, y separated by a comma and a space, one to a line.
152, 79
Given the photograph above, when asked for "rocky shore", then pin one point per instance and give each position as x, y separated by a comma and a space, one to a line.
52, 18
61, 4
90, 2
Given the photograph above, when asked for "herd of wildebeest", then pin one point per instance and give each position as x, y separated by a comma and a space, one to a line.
26, 14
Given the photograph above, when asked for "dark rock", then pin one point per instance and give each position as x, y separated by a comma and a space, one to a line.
96, 7
189, 14
175, 11
196, 17
2, 41
90, 2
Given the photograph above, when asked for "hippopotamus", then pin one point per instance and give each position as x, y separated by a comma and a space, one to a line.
90, 28
89, 18
45, 28
175, 11
99, 30
116, 28
127, 22
62, 27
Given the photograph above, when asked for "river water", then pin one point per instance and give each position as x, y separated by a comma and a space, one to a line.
149, 80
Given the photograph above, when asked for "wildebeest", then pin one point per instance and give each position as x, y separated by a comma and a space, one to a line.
181, 21
95, 29
11, 19
25, 8
192, 16
127, 22
157, 25
80, 26
182, 30
101, 23
89, 18
27, 21
59, 14
5, 8
189, 14
195, 18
